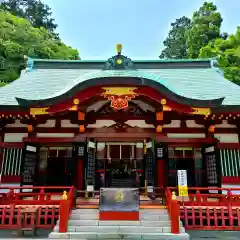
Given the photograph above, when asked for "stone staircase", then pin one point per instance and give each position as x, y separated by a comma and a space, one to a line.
153, 224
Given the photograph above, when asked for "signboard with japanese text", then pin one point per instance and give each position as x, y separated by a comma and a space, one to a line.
182, 183
119, 199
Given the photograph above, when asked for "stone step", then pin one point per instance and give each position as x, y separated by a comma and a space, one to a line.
118, 236
150, 217
85, 211
120, 229
119, 223
84, 217
154, 211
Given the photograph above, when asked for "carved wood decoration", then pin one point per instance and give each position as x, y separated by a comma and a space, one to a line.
132, 110
119, 96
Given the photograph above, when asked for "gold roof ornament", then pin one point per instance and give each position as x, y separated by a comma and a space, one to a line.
39, 111
119, 91
119, 48
201, 111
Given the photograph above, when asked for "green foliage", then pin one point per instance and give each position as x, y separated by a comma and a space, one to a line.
35, 11
18, 38
228, 52
175, 43
205, 26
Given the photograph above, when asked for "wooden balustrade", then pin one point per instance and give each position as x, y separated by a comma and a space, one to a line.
35, 196
210, 196
207, 208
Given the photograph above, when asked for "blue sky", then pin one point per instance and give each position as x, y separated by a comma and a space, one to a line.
94, 27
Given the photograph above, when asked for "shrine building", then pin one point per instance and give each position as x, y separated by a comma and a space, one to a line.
120, 123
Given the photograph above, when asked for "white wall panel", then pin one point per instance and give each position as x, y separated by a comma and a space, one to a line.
16, 124
49, 123
225, 125
55, 135
227, 138
101, 123
186, 135
139, 123
192, 124
66, 123
14, 137
173, 124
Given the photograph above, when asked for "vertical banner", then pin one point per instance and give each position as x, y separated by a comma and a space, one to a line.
119, 199
182, 183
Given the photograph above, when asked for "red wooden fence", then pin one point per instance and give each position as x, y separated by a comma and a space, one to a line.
37, 208
34, 196
12, 216
208, 211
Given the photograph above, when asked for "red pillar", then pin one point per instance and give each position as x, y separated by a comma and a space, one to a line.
80, 174
160, 173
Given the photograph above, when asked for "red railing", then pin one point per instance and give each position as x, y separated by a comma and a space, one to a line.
36, 209
207, 208
173, 211
18, 217
66, 205
34, 196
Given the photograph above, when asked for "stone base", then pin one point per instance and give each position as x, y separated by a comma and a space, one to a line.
118, 236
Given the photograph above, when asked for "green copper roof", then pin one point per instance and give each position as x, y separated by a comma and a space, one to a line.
203, 83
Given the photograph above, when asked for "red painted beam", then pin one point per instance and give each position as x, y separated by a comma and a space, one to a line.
229, 145
230, 180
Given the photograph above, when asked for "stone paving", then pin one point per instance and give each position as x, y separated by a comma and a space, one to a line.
195, 235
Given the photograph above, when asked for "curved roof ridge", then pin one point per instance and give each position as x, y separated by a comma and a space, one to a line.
137, 60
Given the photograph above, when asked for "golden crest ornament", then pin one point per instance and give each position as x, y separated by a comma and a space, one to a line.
119, 196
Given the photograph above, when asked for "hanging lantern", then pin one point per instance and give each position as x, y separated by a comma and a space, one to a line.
211, 129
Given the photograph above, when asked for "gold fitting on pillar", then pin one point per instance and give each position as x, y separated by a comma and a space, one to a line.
64, 196
174, 197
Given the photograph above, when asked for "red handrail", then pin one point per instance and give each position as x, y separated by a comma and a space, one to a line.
173, 211
66, 205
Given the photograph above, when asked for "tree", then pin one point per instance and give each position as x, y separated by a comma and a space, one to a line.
18, 38
228, 53
175, 43
38, 13
205, 27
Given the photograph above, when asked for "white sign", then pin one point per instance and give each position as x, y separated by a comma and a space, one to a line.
91, 144
182, 178
148, 144
182, 183
150, 189
90, 188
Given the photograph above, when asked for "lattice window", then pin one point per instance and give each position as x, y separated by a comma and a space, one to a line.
211, 168
12, 158
80, 151
160, 152
230, 162
149, 160
91, 165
